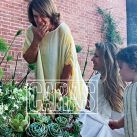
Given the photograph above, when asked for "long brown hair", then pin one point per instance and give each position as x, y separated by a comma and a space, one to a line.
112, 82
45, 8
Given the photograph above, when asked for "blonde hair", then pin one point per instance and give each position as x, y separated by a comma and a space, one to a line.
112, 82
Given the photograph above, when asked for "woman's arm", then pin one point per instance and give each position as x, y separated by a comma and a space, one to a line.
67, 72
31, 54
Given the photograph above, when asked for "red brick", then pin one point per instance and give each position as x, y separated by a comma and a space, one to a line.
81, 16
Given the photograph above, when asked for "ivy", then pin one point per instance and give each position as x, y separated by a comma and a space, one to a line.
109, 27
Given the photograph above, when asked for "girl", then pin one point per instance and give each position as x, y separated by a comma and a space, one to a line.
106, 93
108, 84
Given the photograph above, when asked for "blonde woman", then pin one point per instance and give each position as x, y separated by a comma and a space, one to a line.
106, 94
50, 45
109, 86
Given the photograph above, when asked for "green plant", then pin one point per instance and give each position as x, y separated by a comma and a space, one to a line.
86, 61
18, 115
7, 46
6, 131
37, 130
109, 27
78, 48
19, 122
4, 48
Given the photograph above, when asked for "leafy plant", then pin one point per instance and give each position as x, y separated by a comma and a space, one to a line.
86, 61
6, 131
4, 48
37, 130
109, 27
78, 48
19, 123
5, 45
18, 115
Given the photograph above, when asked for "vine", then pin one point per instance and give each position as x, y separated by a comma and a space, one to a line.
109, 27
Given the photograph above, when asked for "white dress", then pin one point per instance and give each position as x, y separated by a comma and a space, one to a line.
98, 103
100, 113
56, 50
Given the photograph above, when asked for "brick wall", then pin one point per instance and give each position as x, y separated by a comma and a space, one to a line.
80, 15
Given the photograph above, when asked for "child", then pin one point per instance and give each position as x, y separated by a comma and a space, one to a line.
127, 60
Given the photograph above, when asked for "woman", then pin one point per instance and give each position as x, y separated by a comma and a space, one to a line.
106, 93
109, 86
50, 45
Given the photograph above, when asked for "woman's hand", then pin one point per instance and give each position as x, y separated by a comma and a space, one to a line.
116, 124
39, 33
113, 124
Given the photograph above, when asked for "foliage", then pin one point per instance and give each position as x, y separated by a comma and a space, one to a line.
86, 62
19, 123
109, 27
4, 48
18, 114
3, 45
6, 131
78, 48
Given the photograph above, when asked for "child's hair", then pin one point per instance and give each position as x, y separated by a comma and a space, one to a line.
129, 56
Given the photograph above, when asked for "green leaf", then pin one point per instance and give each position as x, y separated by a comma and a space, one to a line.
19, 32
9, 58
32, 66
78, 48
1, 73
19, 116
3, 45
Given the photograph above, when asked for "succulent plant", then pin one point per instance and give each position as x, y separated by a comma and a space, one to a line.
77, 127
75, 116
54, 130
37, 130
19, 123
55, 95
19, 134
66, 134
62, 121
6, 131
46, 120
40, 118
67, 104
35, 116
65, 113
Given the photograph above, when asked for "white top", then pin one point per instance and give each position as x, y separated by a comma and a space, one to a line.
56, 50
96, 124
98, 102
